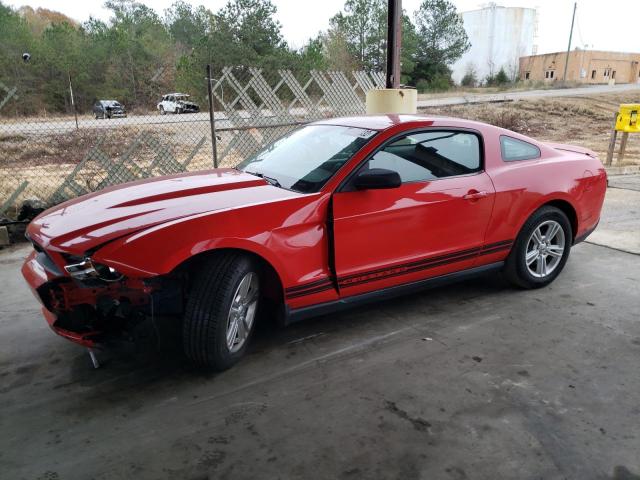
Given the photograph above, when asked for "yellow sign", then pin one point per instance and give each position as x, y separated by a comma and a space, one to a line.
627, 120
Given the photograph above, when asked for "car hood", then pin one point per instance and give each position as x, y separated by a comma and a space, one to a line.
87, 222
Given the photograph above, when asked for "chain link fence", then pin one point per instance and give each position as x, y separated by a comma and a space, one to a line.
47, 159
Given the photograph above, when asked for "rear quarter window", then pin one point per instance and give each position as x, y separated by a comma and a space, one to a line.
514, 150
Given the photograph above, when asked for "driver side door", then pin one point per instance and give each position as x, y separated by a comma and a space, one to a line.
432, 224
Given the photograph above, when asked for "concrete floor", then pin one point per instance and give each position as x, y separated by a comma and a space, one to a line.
473, 381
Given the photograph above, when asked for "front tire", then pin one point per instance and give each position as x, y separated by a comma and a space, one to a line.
221, 311
541, 249
162, 112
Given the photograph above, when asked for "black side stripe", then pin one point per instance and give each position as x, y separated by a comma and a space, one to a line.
308, 285
412, 264
396, 270
498, 244
329, 286
357, 279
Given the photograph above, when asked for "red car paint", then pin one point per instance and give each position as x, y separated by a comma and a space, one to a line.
381, 238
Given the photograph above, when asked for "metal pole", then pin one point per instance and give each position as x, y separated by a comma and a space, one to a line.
623, 147
73, 103
612, 141
211, 119
566, 62
394, 42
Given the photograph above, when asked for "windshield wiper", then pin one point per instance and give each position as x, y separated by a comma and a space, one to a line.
271, 180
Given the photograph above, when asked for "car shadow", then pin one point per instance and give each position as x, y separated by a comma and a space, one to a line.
135, 373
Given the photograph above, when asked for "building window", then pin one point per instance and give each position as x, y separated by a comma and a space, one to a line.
613, 75
607, 72
527, 75
593, 74
549, 74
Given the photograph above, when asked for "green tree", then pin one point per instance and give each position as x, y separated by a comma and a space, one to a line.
470, 78
15, 39
497, 80
188, 26
408, 52
312, 55
441, 38
363, 25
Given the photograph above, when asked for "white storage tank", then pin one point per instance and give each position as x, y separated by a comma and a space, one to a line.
499, 36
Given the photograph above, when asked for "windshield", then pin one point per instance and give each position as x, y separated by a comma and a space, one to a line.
306, 159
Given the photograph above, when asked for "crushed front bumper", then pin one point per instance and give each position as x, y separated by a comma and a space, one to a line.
38, 277
82, 314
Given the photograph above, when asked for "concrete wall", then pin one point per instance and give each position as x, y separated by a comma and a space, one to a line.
499, 36
585, 66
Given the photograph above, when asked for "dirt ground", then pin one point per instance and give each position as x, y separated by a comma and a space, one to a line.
585, 120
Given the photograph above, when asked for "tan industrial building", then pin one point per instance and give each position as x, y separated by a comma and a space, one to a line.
585, 66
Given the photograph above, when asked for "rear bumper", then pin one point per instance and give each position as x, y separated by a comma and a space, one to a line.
583, 236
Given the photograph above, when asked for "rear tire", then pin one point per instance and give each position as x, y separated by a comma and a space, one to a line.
221, 311
541, 250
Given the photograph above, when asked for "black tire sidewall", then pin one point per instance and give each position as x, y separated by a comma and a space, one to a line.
517, 257
226, 357
208, 309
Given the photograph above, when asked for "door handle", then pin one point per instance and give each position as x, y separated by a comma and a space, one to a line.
475, 195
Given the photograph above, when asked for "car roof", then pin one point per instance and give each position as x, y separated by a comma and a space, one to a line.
108, 101
382, 122
177, 94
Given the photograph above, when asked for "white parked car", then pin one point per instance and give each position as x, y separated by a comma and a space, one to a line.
177, 103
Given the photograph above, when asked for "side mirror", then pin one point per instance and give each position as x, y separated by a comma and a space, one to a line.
376, 178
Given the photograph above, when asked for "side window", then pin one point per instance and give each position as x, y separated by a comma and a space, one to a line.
514, 150
430, 155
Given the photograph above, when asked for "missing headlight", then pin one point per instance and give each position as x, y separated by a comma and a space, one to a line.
87, 269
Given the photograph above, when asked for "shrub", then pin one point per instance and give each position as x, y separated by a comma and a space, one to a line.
439, 83
469, 80
497, 80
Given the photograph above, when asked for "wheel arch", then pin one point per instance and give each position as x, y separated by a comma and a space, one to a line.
562, 204
269, 276
569, 210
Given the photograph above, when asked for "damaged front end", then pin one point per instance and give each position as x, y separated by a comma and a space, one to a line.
90, 303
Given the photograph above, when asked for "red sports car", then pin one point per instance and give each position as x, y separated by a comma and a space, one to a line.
337, 213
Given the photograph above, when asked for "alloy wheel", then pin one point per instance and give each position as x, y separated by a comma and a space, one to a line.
242, 312
545, 249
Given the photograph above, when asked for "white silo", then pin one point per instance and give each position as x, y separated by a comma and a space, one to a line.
499, 36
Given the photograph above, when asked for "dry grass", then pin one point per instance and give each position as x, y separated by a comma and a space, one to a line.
582, 120
45, 160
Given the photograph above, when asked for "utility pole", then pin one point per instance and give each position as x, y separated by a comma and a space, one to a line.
73, 103
566, 62
393, 99
212, 121
394, 40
